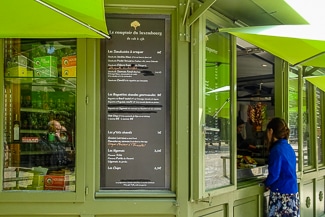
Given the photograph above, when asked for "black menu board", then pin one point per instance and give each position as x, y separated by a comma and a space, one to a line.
135, 110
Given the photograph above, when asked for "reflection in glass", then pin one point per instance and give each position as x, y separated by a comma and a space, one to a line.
39, 114
319, 126
307, 149
293, 112
217, 109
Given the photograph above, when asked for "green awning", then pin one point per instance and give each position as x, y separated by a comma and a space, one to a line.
52, 19
297, 44
318, 81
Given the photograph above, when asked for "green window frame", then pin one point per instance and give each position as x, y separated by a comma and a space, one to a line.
213, 76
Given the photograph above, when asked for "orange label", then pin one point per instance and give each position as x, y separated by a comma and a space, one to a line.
69, 61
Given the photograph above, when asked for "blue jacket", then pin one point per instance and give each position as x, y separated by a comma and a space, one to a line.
282, 175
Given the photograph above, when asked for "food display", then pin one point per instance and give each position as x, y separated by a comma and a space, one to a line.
250, 168
252, 161
257, 115
244, 161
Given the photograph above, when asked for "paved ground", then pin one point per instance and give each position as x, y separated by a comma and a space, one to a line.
214, 176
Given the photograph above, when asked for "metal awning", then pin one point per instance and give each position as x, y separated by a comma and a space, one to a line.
318, 81
297, 44
53, 19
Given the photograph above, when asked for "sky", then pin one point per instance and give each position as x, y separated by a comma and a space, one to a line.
311, 10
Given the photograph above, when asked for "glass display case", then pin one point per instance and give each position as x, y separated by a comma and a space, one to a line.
39, 114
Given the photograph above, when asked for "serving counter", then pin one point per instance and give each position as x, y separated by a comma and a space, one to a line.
256, 173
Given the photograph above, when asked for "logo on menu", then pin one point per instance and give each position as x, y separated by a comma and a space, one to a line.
135, 24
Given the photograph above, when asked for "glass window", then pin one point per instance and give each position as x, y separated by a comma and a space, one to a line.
217, 109
307, 146
319, 118
293, 111
39, 114
313, 146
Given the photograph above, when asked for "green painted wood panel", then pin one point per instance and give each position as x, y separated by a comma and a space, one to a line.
320, 205
307, 199
247, 208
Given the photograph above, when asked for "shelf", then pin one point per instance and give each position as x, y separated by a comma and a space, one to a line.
40, 80
47, 84
36, 152
34, 131
18, 179
35, 110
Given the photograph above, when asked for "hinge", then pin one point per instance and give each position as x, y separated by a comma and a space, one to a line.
176, 204
87, 100
207, 200
86, 190
184, 13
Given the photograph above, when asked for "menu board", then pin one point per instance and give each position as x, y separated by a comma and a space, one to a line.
135, 110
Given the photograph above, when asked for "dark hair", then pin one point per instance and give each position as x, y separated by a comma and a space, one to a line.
239, 121
279, 127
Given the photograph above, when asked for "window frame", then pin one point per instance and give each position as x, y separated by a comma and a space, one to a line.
55, 196
197, 111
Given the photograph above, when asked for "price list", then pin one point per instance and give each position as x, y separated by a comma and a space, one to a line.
135, 140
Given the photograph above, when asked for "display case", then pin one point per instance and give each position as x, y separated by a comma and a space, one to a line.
39, 114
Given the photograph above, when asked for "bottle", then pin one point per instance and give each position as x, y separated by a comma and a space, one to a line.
38, 100
28, 101
16, 129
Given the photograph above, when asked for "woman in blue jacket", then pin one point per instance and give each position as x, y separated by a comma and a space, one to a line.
282, 178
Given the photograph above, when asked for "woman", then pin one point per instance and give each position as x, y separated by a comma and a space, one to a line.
243, 146
282, 178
